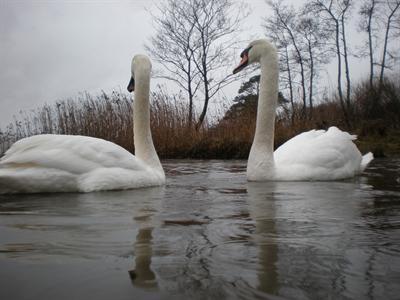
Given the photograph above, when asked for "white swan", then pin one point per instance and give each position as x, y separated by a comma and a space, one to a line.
312, 155
66, 163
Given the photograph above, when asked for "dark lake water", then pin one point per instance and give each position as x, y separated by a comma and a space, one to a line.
207, 234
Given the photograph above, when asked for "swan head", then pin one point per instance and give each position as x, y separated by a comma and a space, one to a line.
139, 62
254, 52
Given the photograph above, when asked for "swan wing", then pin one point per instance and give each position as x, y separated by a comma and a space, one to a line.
73, 154
319, 155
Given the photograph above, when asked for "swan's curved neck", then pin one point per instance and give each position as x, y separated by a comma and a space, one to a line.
144, 147
260, 165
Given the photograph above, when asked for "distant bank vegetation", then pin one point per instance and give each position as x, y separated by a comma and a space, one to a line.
194, 43
375, 118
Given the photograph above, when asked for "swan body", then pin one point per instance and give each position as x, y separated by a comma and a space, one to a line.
67, 163
312, 155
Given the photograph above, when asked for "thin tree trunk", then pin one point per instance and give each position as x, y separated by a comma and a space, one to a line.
339, 79
389, 20
290, 84
346, 62
384, 55
339, 57
205, 106
371, 53
190, 116
205, 82
311, 79
301, 63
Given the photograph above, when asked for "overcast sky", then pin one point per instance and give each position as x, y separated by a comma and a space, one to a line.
53, 50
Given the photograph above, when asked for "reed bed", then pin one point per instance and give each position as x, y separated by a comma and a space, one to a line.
375, 118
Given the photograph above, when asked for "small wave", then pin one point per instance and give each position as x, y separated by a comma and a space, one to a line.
18, 212
186, 222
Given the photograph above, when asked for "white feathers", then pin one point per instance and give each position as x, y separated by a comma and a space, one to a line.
319, 155
312, 155
66, 163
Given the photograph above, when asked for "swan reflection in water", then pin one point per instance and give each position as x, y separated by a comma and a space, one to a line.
270, 238
145, 216
305, 235
262, 211
209, 234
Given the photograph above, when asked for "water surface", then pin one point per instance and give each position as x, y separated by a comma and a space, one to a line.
207, 234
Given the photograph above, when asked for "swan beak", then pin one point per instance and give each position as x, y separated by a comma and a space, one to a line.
131, 85
243, 63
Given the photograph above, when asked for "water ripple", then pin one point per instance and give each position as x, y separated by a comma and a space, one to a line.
210, 234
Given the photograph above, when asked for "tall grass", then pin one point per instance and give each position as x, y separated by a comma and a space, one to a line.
104, 116
375, 116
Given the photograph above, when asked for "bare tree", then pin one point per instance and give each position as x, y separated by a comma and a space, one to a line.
283, 25
345, 6
314, 45
392, 7
383, 15
303, 45
194, 42
287, 70
367, 10
335, 12
217, 23
173, 47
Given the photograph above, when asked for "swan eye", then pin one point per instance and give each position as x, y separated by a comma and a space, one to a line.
245, 52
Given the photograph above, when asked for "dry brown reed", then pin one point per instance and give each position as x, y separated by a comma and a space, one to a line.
109, 116
104, 116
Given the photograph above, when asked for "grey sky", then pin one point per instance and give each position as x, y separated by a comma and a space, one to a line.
53, 50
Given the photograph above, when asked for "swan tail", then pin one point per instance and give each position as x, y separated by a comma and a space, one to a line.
366, 159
